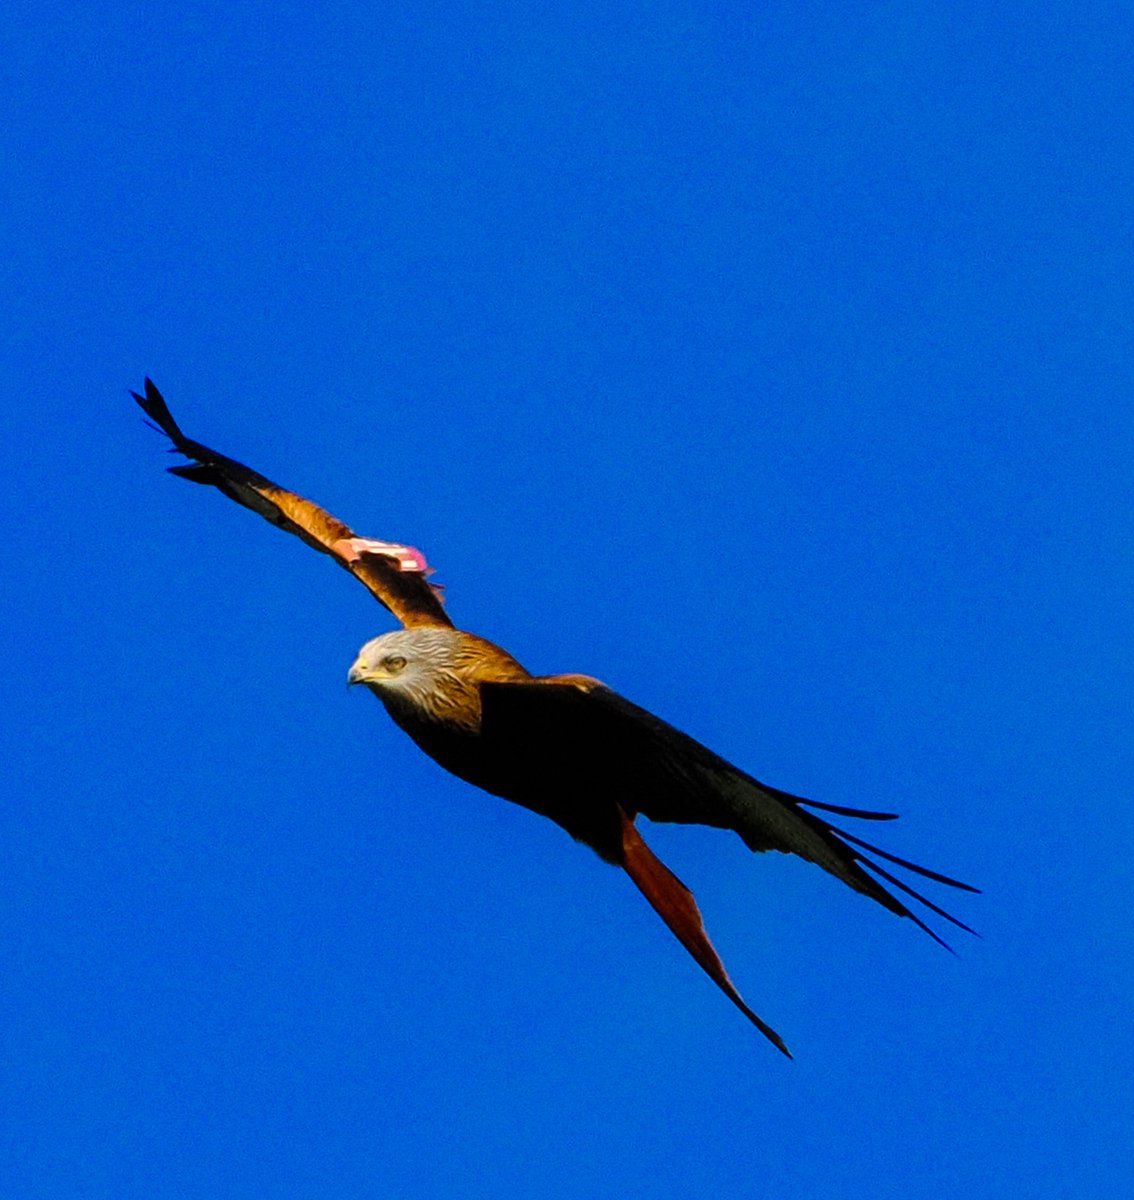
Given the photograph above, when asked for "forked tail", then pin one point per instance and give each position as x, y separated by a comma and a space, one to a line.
674, 903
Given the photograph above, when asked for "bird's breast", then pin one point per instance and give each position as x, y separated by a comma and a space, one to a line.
568, 790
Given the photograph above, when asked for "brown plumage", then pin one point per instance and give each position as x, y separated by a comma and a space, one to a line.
564, 746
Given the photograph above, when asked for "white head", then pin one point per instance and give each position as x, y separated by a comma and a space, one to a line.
409, 662
432, 672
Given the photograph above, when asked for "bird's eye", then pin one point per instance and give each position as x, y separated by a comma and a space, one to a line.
394, 663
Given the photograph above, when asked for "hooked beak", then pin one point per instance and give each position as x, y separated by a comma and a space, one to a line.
357, 673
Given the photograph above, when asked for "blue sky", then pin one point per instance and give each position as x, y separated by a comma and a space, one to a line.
772, 363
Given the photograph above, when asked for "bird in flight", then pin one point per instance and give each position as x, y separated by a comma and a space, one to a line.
564, 746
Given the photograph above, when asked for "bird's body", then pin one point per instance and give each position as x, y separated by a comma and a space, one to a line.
565, 746
447, 698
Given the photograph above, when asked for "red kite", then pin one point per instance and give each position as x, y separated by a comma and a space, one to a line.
565, 746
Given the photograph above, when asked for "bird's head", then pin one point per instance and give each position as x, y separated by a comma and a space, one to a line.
432, 672
407, 662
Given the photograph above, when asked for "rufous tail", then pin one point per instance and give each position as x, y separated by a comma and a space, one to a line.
674, 903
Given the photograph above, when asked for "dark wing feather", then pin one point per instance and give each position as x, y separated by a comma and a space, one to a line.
654, 769
395, 575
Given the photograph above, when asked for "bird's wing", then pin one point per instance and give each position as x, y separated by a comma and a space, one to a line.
395, 575
655, 769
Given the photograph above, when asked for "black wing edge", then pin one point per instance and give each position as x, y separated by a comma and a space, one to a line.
209, 467
863, 861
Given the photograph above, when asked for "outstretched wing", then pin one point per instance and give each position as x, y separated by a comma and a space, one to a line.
394, 574
647, 766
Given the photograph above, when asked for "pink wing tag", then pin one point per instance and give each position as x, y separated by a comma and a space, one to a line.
407, 558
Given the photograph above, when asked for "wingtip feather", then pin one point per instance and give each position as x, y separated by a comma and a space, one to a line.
154, 406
